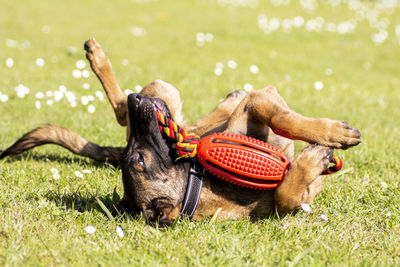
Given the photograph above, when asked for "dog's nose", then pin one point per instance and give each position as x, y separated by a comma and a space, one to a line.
134, 99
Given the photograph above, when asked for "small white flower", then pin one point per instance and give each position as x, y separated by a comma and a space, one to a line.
328, 72
54, 170
209, 37
318, 85
9, 62
46, 29
91, 108
20, 94
85, 73
78, 174
39, 95
84, 100
219, 65
367, 65
128, 91
248, 87
305, 207
324, 217
49, 93
388, 214
11, 43
22, 90
70, 96
125, 62
49, 102
80, 64
73, 104
3, 98
58, 95
384, 185
218, 71
56, 176
38, 104
232, 64
120, 232
100, 95
86, 86
138, 32
254, 69
87, 171
40, 62
200, 36
77, 74
138, 88
90, 229
62, 88
90, 97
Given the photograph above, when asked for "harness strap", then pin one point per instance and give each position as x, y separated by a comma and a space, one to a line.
192, 196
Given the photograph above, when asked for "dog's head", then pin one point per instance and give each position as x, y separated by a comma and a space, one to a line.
154, 183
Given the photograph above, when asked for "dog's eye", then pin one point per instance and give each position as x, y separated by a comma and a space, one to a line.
140, 159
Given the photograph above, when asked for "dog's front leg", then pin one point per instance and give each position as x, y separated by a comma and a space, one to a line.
303, 182
101, 66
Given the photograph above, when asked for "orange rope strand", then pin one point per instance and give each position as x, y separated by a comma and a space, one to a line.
185, 144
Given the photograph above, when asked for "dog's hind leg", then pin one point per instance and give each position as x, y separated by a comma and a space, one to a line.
52, 134
101, 66
303, 181
265, 107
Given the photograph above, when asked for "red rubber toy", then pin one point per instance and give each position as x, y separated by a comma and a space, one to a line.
242, 160
238, 159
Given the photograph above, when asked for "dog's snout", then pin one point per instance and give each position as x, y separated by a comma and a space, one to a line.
135, 100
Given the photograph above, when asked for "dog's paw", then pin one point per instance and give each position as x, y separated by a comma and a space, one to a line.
96, 55
313, 161
339, 134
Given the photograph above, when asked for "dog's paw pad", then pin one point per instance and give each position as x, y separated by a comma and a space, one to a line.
315, 159
96, 55
339, 134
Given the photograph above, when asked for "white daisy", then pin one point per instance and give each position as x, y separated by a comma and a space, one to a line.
91, 108
306, 207
40, 62
318, 85
80, 64
120, 232
324, 217
9, 62
90, 229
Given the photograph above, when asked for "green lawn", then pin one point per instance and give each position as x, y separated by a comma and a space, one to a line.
43, 220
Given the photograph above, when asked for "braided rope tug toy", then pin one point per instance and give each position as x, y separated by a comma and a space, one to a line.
238, 159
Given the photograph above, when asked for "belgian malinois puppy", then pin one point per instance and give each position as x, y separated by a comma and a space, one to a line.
155, 182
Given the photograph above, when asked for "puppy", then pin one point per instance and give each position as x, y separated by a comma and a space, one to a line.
156, 183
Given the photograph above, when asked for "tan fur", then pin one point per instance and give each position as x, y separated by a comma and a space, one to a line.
262, 114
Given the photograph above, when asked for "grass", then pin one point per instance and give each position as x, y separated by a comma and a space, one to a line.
42, 220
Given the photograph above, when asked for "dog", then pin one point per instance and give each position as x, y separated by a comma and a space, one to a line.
155, 182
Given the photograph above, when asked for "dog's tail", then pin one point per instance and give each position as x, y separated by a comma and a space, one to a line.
52, 134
